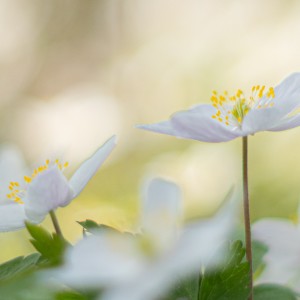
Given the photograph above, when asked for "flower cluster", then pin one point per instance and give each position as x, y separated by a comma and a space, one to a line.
166, 256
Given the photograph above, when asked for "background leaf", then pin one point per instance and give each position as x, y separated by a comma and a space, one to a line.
231, 282
18, 265
258, 252
185, 289
273, 292
90, 225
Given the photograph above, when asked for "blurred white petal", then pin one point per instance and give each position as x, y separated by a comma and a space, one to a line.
282, 259
119, 264
100, 260
161, 212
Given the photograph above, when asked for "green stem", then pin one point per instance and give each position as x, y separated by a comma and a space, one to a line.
247, 212
55, 223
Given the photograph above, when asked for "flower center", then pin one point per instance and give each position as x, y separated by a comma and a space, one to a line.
16, 193
231, 110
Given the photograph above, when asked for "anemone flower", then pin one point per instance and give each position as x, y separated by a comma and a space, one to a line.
143, 266
282, 261
232, 116
46, 189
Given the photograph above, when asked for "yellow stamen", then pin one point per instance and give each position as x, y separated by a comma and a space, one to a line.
261, 92
232, 109
27, 179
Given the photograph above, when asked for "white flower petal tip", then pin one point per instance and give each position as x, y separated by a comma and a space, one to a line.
162, 127
89, 167
239, 114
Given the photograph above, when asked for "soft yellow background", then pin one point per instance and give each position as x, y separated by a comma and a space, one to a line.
72, 73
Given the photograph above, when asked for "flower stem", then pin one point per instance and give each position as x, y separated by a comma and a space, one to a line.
247, 212
55, 223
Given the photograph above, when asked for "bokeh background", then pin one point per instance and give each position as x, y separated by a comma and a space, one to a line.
73, 73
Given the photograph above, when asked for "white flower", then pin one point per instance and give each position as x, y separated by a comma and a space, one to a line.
143, 267
282, 261
47, 189
229, 117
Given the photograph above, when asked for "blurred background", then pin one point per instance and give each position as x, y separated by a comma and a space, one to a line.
73, 73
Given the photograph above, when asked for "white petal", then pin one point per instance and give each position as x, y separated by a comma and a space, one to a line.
278, 234
150, 286
287, 98
261, 119
46, 192
197, 124
101, 260
202, 242
287, 123
283, 240
89, 167
161, 212
287, 93
12, 217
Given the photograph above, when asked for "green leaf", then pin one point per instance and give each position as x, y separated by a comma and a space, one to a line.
90, 225
185, 289
25, 287
229, 282
258, 252
51, 247
18, 265
70, 295
273, 292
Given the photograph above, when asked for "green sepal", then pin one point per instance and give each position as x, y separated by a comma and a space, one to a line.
50, 246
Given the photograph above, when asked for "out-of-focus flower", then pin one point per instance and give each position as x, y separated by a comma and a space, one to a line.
229, 117
47, 189
282, 261
144, 266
